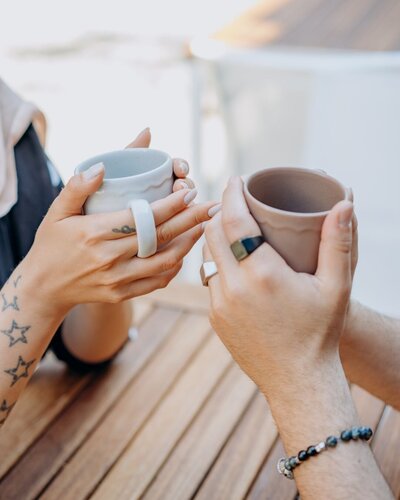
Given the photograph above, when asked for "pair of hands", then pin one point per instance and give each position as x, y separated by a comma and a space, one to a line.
79, 259
276, 323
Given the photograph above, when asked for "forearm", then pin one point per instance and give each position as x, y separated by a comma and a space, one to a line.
370, 352
318, 404
95, 332
27, 324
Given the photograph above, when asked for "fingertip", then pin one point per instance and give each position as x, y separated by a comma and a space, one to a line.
181, 168
179, 185
345, 210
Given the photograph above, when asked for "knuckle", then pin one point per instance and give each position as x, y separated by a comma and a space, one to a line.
100, 258
170, 262
234, 221
164, 233
115, 296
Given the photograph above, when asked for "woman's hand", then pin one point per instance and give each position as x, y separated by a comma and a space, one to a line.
85, 258
278, 324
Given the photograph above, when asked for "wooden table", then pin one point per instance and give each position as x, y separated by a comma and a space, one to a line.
336, 24
173, 418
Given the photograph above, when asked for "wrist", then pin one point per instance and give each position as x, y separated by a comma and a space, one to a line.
317, 404
34, 287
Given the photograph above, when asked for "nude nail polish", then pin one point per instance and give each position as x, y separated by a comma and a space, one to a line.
93, 171
190, 196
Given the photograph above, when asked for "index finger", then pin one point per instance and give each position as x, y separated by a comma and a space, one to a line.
121, 224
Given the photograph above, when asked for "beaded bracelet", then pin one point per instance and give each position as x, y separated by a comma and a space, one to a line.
287, 465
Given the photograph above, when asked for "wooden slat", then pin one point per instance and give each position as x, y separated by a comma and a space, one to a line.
87, 467
142, 459
42, 461
197, 450
269, 484
183, 297
386, 447
377, 30
142, 307
51, 389
354, 25
234, 471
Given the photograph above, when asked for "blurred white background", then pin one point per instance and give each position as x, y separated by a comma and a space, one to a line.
102, 71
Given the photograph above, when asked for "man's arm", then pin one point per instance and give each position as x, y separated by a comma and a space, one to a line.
307, 411
370, 352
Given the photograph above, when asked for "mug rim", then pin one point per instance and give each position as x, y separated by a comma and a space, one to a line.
247, 178
115, 180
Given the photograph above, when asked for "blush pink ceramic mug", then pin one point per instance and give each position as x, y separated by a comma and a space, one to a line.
290, 205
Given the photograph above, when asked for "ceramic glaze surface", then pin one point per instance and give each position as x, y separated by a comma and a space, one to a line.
290, 206
130, 174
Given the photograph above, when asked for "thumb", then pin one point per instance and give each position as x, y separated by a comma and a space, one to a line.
72, 198
334, 259
142, 140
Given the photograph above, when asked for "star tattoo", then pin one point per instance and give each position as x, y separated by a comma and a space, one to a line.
20, 371
6, 304
16, 333
5, 411
16, 281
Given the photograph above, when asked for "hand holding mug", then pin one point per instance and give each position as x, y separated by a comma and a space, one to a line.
92, 258
278, 324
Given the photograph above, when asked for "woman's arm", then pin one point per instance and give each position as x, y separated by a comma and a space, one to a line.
77, 259
93, 333
370, 352
27, 324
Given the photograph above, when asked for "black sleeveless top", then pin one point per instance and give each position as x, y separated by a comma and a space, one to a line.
38, 185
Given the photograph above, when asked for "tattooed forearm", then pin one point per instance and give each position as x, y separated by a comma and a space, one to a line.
124, 230
20, 371
16, 333
5, 411
13, 304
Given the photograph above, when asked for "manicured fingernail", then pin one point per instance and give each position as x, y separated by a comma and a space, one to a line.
93, 171
147, 129
183, 185
214, 210
346, 214
190, 196
184, 167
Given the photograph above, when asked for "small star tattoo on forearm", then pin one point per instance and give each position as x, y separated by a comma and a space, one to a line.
124, 230
20, 371
13, 304
16, 333
5, 411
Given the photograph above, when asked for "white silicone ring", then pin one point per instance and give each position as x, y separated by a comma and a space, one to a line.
145, 228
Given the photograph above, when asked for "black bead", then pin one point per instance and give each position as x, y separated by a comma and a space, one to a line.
311, 451
355, 433
287, 464
302, 455
293, 462
345, 435
365, 433
331, 441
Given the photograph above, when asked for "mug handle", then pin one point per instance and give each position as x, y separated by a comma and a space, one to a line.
145, 227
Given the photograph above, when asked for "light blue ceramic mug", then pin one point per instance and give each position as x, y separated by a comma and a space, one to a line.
133, 179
